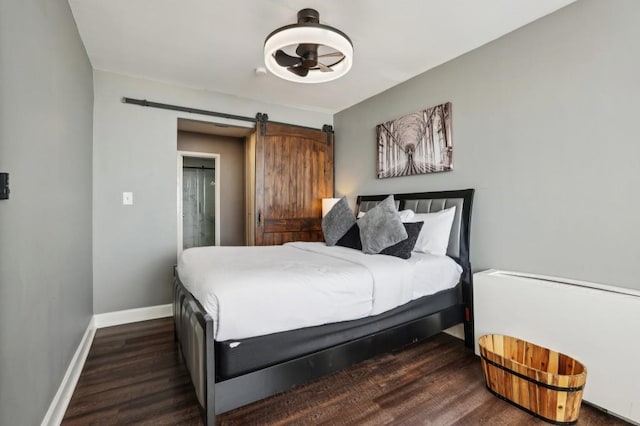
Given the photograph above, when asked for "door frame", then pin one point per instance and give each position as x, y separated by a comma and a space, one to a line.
180, 163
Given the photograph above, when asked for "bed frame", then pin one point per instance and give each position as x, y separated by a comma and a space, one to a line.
194, 326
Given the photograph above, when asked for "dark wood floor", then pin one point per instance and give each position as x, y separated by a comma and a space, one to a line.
133, 375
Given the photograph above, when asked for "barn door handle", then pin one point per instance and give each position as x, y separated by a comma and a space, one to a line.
259, 217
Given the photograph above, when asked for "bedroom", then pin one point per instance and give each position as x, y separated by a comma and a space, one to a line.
543, 130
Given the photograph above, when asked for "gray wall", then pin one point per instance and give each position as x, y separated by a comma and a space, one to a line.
232, 190
545, 128
46, 101
134, 247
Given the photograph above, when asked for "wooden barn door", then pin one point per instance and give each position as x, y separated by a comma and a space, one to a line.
294, 171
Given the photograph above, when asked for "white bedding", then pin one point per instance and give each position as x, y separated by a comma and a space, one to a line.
253, 291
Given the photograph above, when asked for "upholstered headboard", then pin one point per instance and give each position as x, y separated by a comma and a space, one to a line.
428, 202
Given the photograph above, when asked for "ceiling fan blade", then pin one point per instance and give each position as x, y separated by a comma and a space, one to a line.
285, 60
330, 54
324, 68
301, 71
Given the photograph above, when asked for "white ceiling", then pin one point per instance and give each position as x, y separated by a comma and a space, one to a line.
216, 45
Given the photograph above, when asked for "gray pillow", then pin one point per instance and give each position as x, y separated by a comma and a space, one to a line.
404, 248
337, 222
381, 227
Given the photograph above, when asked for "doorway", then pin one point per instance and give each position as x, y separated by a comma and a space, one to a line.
234, 183
198, 199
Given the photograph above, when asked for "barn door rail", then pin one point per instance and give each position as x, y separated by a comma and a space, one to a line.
260, 117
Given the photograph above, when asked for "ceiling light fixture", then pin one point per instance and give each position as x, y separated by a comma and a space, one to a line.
308, 52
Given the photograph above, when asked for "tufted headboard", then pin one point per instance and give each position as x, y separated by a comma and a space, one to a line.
428, 202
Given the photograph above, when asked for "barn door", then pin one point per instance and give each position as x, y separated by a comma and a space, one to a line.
294, 171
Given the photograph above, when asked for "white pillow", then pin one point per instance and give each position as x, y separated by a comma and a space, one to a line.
405, 215
434, 235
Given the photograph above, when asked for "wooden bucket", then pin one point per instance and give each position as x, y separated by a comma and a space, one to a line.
542, 382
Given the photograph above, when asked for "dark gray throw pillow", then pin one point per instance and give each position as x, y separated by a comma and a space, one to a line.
381, 227
351, 239
337, 222
404, 248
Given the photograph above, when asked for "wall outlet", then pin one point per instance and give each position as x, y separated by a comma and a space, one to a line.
127, 198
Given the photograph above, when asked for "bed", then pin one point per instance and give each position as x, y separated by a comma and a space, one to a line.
241, 350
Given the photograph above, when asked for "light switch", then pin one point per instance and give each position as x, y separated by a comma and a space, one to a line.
127, 198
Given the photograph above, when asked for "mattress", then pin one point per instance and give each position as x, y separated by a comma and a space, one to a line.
255, 291
236, 357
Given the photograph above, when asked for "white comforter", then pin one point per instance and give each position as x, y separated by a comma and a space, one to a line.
253, 291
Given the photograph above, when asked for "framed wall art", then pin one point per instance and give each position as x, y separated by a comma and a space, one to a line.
416, 143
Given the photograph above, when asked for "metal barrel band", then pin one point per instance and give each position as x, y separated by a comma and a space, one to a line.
529, 379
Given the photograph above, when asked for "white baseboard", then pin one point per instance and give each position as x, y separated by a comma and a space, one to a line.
61, 400
110, 319
456, 331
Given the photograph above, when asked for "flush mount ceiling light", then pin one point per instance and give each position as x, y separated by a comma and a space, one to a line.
308, 52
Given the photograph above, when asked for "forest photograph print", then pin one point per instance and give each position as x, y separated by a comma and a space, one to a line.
416, 143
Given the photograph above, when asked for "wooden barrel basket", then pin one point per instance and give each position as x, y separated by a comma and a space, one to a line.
542, 382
